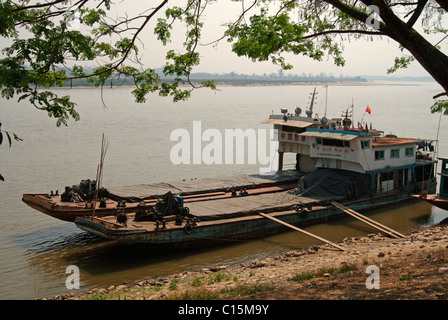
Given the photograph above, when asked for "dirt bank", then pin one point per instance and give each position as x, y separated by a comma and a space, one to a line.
415, 267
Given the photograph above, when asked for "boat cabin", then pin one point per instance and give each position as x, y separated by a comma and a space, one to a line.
391, 162
443, 189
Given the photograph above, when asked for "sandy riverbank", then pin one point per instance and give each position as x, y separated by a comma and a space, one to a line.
415, 267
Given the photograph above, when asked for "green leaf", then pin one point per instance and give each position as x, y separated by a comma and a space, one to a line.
400, 63
162, 30
440, 106
268, 37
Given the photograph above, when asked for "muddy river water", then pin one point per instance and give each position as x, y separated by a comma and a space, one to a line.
36, 249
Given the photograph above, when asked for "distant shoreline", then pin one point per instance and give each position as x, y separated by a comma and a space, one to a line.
268, 84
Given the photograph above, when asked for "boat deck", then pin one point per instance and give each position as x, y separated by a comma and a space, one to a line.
218, 211
191, 191
141, 192
231, 216
247, 205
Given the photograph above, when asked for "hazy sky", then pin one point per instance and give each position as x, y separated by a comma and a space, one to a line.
363, 57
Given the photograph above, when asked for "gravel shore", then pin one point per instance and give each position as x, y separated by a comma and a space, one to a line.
374, 267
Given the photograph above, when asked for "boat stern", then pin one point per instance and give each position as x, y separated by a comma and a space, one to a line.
94, 228
106, 229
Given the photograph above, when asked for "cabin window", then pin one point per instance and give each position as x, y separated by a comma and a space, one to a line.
395, 153
333, 142
379, 155
365, 144
292, 129
409, 152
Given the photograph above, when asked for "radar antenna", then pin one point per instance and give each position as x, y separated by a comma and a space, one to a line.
309, 112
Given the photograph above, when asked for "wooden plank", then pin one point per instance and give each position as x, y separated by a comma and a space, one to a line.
200, 195
303, 231
110, 222
376, 223
370, 222
364, 219
379, 224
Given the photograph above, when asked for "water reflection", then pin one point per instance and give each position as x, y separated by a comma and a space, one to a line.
54, 238
36, 249
105, 262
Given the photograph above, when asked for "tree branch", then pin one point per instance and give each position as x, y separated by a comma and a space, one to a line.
352, 12
134, 38
37, 6
440, 95
443, 4
237, 22
376, 33
417, 12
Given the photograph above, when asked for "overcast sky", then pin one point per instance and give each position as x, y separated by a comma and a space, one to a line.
363, 57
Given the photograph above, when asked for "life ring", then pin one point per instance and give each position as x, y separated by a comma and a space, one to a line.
188, 228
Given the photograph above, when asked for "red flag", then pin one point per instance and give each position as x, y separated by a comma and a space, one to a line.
368, 110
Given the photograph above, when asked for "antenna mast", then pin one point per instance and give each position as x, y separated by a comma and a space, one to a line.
309, 112
326, 100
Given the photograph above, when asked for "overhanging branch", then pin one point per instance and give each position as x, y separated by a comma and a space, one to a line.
37, 6
351, 11
366, 32
417, 12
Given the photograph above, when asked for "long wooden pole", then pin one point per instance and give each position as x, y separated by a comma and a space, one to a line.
99, 174
301, 230
396, 233
376, 223
370, 222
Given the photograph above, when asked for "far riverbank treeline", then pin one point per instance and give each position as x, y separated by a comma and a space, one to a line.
232, 78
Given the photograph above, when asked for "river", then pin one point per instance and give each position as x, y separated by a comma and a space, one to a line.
36, 249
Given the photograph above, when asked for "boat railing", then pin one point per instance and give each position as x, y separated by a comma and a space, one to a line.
107, 224
423, 160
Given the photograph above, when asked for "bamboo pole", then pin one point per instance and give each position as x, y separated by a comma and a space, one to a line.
99, 173
301, 230
370, 222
